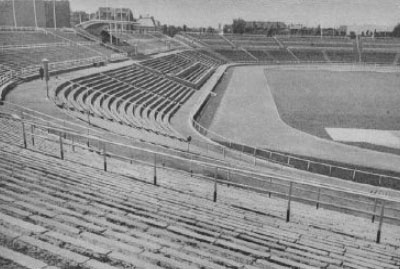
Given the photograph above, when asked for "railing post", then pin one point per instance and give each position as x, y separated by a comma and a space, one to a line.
319, 196
33, 134
155, 169
270, 183
255, 156
190, 165
215, 185
373, 216
354, 175
289, 200
73, 143
23, 131
223, 152
308, 165
61, 148
105, 157
378, 236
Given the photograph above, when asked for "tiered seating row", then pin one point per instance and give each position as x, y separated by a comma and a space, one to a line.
252, 41
22, 58
203, 57
130, 95
324, 42
190, 67
235, 55
63, 214
169, 64
211, 40
11, 38
69, 34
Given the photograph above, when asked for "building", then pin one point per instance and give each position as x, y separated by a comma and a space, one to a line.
115, 14
147, 23
35, 13
78, 17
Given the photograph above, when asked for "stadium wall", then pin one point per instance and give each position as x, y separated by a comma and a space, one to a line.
25, 10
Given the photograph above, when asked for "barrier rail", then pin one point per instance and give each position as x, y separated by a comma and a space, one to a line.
328, 197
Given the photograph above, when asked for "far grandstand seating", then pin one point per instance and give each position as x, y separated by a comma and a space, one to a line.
387, 44
281, 55
261, 55
130, 95
69, 34
378, 57
342, 56
235, 55
146, 43
191, 67
18, 38
252, 41
20, 58
211, 40
22, 51
203, 57
309, 55
172, 63
318, 42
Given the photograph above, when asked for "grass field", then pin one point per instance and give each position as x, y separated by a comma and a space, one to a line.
312, 100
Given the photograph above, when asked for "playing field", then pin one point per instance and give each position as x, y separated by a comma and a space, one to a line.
314, 100
248, 112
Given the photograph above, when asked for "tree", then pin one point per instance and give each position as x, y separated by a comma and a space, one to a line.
184, 28
239, 26
227, 28
396, 31
165, 29
172, 30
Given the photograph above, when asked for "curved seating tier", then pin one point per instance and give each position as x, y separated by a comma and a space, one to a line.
130, 95
193, 68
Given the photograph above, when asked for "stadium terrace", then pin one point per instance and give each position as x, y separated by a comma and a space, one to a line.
128, 143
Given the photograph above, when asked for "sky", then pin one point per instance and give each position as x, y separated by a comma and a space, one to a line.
196, 13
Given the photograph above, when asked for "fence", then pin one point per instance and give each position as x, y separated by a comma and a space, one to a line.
59, 140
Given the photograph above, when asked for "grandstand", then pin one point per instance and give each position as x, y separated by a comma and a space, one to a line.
68, 212
127, 189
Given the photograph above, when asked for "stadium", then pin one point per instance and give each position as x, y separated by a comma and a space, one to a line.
125, 146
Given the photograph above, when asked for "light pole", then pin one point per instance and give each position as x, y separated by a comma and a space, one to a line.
189, 139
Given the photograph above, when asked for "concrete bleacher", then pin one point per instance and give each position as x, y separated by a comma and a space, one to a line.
130, 95
317, 42
347, 56
252, 41
309, 55
235, 55
22, 38
66, 214
146, 42
191, 67
281, 55
203, 57
172, 63
386, 44
211, 40
21, 58
23, 51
